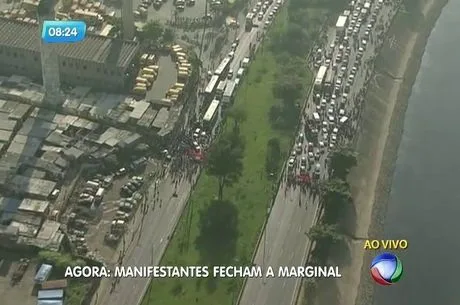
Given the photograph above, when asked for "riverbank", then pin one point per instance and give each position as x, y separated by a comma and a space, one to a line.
414, 28
382, 124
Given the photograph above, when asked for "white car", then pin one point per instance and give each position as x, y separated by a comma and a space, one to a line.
267, 24
291, 163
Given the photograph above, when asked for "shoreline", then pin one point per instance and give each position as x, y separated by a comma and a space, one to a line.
400, 89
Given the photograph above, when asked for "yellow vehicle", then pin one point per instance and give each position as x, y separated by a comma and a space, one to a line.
154, 68
148, 71
183, 70
181, 54
140, 85
149, 77
182, 75
179, 86
140, 90
164, 102
142, 80
173, 98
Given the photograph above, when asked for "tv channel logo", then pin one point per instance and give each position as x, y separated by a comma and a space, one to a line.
386, 269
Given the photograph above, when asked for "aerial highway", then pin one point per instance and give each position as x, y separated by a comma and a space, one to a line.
285, 241
150, 236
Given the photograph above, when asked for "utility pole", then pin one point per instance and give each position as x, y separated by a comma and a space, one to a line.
204, 29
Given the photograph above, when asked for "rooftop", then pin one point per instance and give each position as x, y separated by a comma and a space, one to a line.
97, 49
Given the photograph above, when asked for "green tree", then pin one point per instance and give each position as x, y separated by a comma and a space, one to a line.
60, 260
225, 161
335, 195
152, 31
273, 157
323, 232
169, 35
324, 235
341, 162
238, 116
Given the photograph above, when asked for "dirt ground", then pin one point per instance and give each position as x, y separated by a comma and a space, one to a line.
22, 292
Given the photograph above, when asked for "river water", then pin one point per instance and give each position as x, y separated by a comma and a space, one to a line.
424, 205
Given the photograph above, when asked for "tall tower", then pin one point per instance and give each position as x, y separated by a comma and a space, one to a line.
49, 56
127, 17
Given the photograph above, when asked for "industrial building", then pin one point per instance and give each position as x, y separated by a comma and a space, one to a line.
100, 62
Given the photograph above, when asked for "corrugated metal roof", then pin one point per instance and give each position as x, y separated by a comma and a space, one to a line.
93, 48
50, 294
43, 273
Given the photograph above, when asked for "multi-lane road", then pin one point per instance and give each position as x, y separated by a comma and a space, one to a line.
285, 242
149, 241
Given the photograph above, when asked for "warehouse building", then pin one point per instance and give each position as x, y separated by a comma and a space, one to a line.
99, 62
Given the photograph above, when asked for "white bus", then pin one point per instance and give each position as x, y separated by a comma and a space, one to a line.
220, 88
223, 68
319, 80
211, 114
211, 87
229, 92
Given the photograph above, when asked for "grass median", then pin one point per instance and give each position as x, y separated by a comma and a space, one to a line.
249, 197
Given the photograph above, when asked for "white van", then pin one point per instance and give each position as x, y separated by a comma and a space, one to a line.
316, 117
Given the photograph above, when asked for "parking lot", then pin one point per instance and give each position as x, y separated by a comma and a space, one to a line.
104, 208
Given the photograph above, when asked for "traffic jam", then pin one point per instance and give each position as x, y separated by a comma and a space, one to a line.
328, 117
